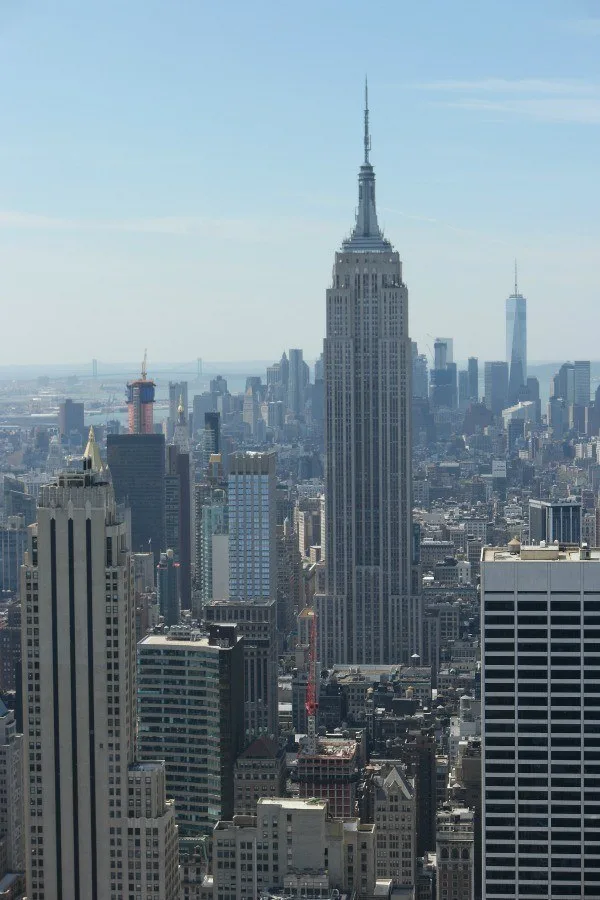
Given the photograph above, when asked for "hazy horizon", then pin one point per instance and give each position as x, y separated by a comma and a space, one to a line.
177, 177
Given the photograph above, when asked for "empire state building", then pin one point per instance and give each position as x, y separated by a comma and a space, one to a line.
370, 612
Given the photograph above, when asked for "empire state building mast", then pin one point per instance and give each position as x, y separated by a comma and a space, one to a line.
370, 612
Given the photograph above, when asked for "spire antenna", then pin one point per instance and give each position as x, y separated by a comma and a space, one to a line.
367, 135
516, 279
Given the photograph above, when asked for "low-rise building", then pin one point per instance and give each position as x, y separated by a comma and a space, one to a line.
259, 771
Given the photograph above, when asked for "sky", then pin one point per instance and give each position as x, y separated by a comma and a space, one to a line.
177, 174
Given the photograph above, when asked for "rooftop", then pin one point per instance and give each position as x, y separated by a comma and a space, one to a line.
551, 553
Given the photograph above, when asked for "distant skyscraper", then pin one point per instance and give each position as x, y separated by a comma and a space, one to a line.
582, 382
473, 370
70, 418
137, 466
370, 610
496, 386
178, 394
541, 696
420, 383
252, 486
86, 793
140, 401
297, 382
516, 343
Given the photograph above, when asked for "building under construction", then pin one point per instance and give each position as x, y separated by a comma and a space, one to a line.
140, 401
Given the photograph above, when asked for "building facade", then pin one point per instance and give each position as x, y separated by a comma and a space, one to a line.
496, 386
257, 622
516, 345
541, 698
370, 609
252, 486
137, 467
87, 803
191, 714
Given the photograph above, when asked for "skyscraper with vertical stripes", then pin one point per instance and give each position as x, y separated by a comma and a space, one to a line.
370, 612
89, 803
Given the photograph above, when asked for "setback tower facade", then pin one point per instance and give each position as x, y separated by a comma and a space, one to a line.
369, 613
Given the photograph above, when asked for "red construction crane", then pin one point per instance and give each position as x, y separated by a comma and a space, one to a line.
312, 704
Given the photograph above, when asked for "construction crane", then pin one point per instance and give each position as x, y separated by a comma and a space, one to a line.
145, 366
312, 704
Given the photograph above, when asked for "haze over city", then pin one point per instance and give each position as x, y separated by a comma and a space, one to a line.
176, 175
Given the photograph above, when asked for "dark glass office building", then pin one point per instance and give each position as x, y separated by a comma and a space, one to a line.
137, 465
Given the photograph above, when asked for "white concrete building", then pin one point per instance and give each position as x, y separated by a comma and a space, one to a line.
292, 843
395, 817
98, 826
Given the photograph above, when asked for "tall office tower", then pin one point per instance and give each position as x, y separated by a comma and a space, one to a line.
88, 801
582, 386
70, 418
178, 518
257, 622
370, 608
252, 486
541, 696
12, 825
199, 742
137, 466
250, 411
140, 401
284, 364
212, 542
297, 382
167, 584
496, 386
420, 384
473, 370
563, 383
178, 395
464, 390
455, 845
212, 431
319, 368
516, 343
13, 540
448, 352
552, 521
440, 354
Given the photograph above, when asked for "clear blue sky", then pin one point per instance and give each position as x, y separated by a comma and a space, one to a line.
177, 175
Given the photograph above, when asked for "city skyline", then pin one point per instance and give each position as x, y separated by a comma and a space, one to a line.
129, 185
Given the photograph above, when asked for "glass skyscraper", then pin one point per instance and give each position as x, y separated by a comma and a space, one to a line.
516, 344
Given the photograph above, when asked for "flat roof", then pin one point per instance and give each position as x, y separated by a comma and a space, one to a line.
552, 553
293, 802
163, 640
